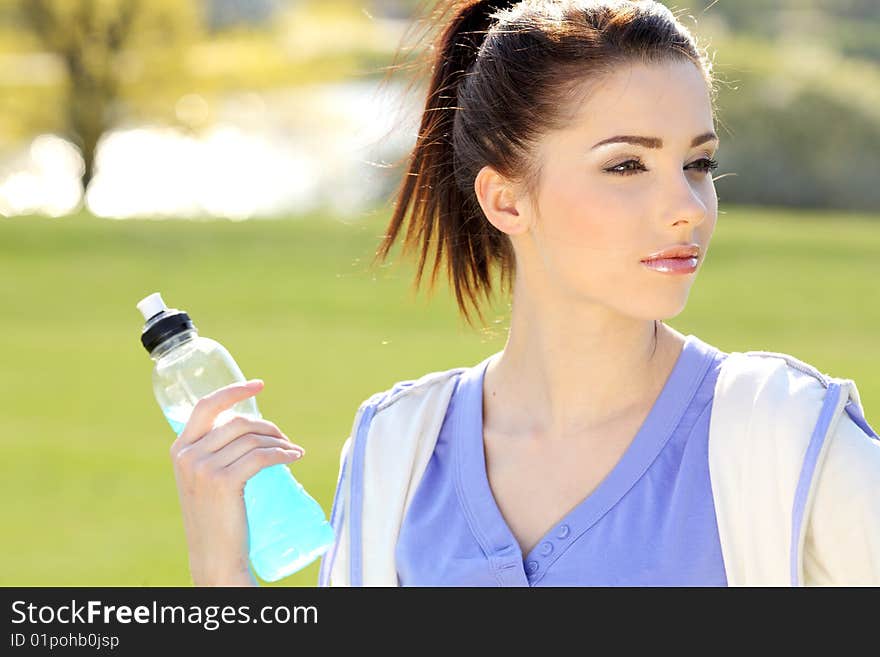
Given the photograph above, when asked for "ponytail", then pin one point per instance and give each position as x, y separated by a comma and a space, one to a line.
444, 214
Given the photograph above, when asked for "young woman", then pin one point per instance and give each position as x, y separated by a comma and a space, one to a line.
570, 145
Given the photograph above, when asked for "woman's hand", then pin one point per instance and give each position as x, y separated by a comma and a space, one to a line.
211, 466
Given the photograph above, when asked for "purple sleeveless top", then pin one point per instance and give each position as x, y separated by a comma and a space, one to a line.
650, 522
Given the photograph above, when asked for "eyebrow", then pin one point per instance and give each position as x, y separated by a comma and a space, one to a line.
653, 142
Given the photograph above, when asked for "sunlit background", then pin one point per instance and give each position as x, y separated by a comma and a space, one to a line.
216, 115
176, 108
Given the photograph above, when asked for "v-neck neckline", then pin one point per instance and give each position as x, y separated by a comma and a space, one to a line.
484, 515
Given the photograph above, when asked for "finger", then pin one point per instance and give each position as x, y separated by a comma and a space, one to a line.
247, 443
252, 462
223, 434
206, 410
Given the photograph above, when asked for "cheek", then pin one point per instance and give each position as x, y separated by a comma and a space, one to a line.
587, 238
587, 221
704, 231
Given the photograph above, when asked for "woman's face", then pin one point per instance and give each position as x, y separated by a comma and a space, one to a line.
603, 208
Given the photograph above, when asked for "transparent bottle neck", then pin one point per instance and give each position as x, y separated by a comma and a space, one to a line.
173, 342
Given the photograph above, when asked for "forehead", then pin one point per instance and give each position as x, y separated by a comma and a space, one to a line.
669, 98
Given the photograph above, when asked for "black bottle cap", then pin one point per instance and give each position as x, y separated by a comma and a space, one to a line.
170, 323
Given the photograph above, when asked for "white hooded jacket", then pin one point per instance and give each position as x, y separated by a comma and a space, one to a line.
794, 469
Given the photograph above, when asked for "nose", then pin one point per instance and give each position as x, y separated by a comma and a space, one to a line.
690, 205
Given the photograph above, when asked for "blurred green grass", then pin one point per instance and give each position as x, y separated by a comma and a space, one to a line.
88, 489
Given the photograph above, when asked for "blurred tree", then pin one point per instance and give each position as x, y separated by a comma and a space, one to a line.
102, 44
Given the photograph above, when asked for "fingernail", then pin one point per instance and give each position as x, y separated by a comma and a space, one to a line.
255, 382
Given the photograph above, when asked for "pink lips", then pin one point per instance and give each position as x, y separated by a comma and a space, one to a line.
673, 265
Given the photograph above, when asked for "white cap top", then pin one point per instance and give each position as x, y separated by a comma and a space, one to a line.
151, 305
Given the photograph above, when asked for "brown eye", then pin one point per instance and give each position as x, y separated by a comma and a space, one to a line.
626, 171
706, 165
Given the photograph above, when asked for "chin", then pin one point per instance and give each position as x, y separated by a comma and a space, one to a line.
656, 309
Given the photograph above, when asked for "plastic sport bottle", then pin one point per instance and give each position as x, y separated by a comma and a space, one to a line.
287, 528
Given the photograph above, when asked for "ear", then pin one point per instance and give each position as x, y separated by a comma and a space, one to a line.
499, 199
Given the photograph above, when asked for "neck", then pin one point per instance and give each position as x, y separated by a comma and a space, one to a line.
567, 372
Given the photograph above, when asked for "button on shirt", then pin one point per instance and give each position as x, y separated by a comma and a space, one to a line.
650, 522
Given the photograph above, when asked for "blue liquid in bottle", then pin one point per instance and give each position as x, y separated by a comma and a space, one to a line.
287, 528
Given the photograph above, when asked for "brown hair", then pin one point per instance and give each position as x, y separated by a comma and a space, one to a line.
502, 74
